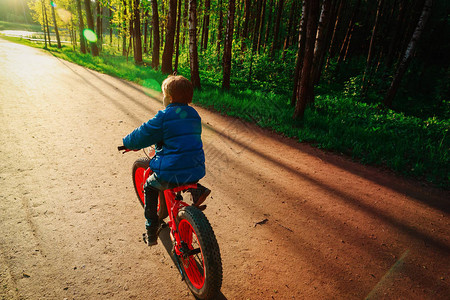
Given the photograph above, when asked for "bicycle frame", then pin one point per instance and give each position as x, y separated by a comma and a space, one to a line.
174, 202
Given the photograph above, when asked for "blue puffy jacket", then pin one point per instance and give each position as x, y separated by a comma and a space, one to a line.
176, 132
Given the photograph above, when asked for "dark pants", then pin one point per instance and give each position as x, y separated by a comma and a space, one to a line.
152, 187
151, 206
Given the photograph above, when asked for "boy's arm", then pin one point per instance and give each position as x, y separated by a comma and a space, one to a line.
146, 135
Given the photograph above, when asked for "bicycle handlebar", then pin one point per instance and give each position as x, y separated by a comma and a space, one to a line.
125, 149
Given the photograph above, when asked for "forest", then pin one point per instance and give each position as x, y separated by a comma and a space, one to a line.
369, 79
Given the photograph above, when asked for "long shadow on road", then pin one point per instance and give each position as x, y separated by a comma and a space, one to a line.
345, 196
118, 104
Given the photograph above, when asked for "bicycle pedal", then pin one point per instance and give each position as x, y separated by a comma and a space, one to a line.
144, 237
163, 225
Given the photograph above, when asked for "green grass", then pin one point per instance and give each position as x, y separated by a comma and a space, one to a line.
17, 26
410, 146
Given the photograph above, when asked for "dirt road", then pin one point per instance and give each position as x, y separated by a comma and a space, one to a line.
292, 221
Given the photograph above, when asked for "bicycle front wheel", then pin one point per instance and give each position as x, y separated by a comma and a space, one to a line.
201, 259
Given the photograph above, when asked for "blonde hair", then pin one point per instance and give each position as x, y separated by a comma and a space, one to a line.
179, 88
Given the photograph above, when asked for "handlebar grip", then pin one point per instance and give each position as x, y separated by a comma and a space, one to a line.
120, 148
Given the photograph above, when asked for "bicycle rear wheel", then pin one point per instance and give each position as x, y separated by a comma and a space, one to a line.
201, 259
139, 179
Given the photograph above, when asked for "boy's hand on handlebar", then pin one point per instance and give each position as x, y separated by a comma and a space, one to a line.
124, 149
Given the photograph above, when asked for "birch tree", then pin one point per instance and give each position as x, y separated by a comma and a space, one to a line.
403, 66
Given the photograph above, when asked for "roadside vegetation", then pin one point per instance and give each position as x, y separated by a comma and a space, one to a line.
18, 26
411, 140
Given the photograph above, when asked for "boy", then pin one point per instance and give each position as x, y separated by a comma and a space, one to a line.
179, 159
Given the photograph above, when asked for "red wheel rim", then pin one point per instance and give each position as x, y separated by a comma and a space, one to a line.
139, 182
194, 264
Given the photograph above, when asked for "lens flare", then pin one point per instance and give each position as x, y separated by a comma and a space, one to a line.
152, 84
90, 35
52, 3
65, 15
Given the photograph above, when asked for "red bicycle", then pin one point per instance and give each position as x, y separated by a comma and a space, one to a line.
195, 249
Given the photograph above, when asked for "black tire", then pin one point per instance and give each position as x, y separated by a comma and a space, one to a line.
203, 267
139, 166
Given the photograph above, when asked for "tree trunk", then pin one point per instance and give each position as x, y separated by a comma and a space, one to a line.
73, 36
137, 33
110, 27
319, 50
413, 14
177, 43
331, 51
146, 16
55, 24
300, 54
81, 25
166, 66
206, 25
193, 52
227, 46
396, 36
155, 25
238, 18
185, 18
257, 22
276, 31
403, 66
247, 9
99, 26
124, 30
370, 54
131, 27
90, 21
48, 28
162, 29
348, 35
306, 88
261, 25
330, 31
43, 23
269, 23
290, 25
220, 30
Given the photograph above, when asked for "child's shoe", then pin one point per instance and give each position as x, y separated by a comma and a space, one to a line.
199, 194
152, 235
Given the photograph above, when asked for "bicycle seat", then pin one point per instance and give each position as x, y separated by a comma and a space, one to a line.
184, 187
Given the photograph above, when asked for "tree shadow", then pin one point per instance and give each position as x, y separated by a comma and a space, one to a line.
432, 197
345, 196
123, 108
